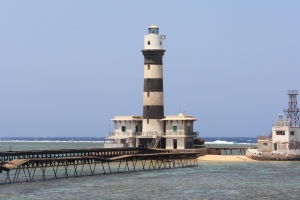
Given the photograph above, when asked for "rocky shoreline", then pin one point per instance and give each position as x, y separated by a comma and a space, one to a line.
275, 157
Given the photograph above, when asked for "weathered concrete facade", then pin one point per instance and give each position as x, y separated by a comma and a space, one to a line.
265, 143
179, 131
283, 137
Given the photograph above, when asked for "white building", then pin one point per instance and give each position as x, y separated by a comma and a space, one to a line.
284, 136
285, 133
153, 129
179, 133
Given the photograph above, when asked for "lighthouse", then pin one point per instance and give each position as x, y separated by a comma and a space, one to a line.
153, 129
153, 94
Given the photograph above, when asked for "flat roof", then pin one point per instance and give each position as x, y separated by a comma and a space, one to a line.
179, 117
128, 118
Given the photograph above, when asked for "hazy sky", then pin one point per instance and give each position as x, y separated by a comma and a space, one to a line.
68, 67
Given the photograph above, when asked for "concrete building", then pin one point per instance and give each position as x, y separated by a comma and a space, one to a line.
285, 133
153, 129
285, 136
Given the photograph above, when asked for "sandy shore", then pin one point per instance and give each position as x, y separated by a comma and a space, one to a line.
225, 158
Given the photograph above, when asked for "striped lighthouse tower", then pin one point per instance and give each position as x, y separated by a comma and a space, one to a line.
153, 97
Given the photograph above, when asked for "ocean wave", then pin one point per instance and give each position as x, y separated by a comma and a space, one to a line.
220, 142
225, 142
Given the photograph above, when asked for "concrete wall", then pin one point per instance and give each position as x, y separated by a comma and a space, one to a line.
182, 126
287, 141
130, 126
280, 138
180, 143
261, 142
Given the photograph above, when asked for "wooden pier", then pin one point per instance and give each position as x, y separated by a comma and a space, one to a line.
64, 163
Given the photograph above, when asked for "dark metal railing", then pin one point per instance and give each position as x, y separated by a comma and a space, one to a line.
61, 153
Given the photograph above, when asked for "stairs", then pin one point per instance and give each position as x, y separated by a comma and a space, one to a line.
155, 142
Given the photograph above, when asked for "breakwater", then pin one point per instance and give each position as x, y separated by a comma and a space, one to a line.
275, 157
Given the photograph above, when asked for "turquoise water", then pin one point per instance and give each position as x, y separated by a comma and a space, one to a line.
209, 180
255, 180
19, 146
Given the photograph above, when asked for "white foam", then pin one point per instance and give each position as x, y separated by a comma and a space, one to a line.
219, 142
226, 142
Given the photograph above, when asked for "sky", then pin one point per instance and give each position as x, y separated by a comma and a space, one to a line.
68, 67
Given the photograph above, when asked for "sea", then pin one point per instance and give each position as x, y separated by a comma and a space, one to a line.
208, 180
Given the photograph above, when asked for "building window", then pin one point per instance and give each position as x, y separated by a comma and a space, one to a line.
136, 129
189, 129
265, 144
280, 132
174, 128
292, 132
148, 42
148, 67
123, 128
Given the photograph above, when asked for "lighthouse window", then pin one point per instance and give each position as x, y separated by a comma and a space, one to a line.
292, 132
148, 58
160, 43
148, 94
147, 107
148, 42
148, 67
147, 121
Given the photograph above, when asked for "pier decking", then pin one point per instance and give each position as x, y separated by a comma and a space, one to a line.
49, 164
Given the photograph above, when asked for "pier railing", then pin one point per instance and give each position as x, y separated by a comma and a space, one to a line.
149, 134
63, 153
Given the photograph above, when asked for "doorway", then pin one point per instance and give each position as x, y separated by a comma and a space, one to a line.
174, 143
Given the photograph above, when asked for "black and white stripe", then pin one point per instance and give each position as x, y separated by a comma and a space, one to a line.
153, 104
